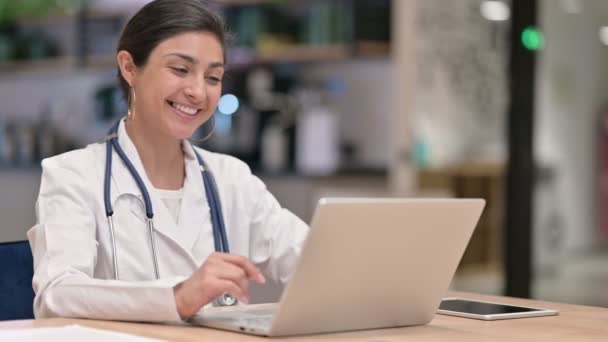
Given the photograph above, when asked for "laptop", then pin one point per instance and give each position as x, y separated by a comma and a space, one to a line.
367, 263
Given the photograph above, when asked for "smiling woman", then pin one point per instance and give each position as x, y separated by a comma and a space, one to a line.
188, 70
147, 238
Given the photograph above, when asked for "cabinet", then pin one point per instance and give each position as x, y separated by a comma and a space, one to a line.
266, 32
351, 36
474, 180
392, 47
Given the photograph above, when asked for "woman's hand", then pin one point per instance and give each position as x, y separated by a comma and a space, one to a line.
220, 273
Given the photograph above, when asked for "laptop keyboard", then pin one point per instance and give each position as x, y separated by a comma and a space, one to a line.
254, 318
261, 321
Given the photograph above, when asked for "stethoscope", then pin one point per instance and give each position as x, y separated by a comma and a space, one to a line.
217, 219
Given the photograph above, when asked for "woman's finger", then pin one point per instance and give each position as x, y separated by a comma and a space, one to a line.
228, 271
252, 272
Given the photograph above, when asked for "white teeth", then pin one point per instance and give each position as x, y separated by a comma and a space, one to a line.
184, 109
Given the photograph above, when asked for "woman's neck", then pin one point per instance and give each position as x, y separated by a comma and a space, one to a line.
161, 156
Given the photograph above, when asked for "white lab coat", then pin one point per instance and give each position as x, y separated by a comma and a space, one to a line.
71, 241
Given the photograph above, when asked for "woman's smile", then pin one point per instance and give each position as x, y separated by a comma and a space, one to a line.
185, 112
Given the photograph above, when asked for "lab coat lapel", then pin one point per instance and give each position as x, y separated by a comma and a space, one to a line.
122, 181
194, 217
124, 184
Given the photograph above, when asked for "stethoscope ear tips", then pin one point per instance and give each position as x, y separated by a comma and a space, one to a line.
225, 300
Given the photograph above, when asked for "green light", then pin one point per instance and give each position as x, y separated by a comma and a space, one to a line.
532, 38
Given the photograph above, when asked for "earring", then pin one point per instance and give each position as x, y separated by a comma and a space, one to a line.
210, 134
131, 103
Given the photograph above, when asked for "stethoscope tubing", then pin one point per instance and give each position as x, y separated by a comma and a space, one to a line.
211, 192
217, 219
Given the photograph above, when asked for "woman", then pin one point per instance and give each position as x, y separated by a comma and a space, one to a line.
171, 63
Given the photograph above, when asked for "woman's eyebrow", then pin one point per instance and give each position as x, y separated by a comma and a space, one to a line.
193, 60
216, 65
187, 58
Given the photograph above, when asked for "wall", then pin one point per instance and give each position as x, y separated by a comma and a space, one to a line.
461, 88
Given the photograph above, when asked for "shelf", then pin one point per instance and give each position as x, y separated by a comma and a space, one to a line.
305, 53
102, 10
34, 168
343, 172
287, 54
245, 2
101, 62
59, 16
55, 64
38, 65
368, 48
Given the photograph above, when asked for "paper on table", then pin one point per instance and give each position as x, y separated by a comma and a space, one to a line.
69, 333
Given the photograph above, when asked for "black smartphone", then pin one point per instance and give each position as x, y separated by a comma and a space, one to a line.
489, 311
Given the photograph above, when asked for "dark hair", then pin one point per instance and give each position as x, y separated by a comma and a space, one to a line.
163, 19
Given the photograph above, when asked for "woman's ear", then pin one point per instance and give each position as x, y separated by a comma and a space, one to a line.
127, 66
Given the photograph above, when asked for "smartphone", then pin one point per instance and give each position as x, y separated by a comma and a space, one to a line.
488, 311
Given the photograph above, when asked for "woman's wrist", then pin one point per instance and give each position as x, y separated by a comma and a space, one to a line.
179, 301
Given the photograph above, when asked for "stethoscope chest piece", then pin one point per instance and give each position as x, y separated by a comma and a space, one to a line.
225, 300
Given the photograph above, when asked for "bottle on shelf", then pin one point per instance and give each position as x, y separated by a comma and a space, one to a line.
317, 135
274, 144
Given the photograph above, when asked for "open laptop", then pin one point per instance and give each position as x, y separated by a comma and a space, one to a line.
367, 263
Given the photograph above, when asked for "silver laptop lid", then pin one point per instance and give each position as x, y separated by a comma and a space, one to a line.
371, 263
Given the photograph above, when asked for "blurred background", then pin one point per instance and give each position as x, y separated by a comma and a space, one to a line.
505, 100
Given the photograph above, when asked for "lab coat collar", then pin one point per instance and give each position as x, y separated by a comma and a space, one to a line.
194, 211
182, 232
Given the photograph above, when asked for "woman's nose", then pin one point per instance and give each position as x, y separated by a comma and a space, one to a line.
196, 91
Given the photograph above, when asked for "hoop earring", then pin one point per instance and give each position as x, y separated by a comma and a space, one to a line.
131, 102
210, 134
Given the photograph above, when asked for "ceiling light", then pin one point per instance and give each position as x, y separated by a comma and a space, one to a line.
603, 33
495, 10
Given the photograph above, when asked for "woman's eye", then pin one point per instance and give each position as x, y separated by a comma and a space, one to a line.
180, 70
214, 79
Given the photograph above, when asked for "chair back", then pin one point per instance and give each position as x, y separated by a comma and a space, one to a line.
16, 272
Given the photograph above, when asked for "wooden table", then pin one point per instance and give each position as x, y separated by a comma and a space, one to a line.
574, 323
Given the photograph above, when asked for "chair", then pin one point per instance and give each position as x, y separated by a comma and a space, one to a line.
16, 272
